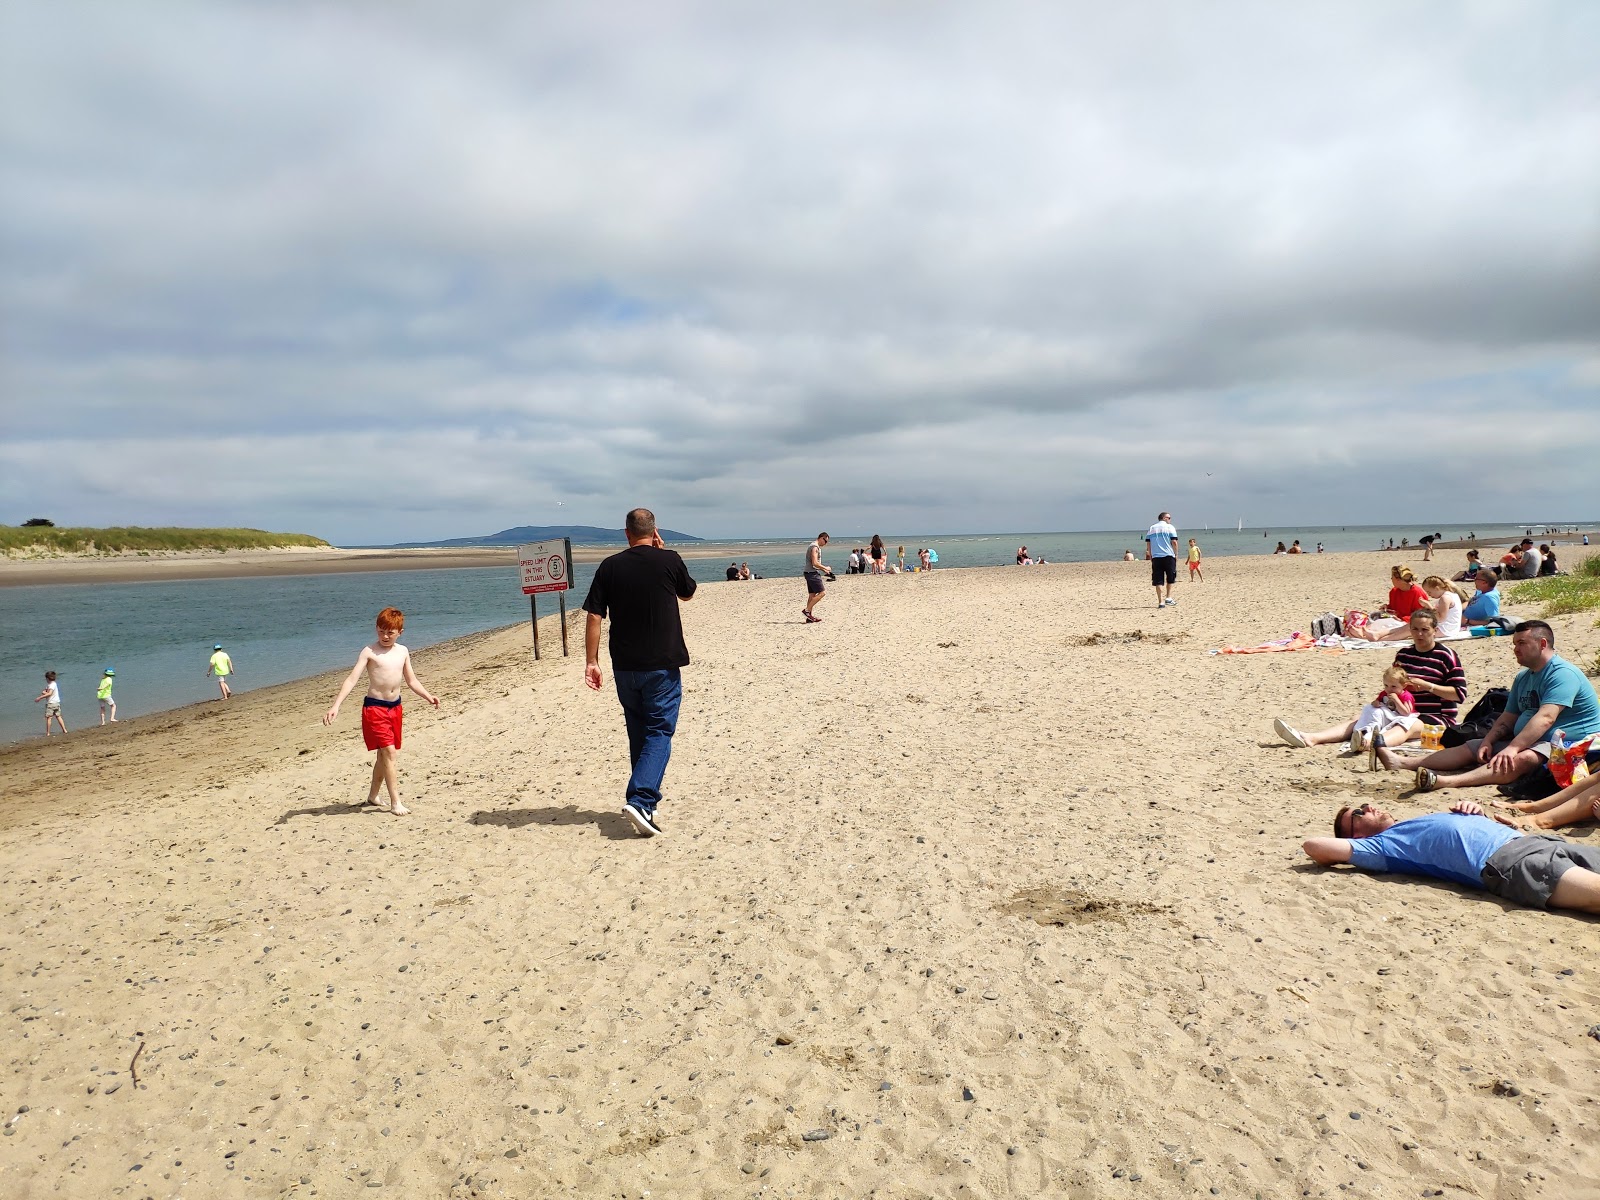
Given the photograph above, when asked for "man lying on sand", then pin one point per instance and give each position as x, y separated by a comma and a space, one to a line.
1469, 847
1548, 693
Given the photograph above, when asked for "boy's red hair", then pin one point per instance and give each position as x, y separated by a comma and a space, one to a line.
391, 618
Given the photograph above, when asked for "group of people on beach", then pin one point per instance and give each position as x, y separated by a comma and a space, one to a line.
1532, 741
220, 666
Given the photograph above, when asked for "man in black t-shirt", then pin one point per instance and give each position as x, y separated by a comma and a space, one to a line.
639, 589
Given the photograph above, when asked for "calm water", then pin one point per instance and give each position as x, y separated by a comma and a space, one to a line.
159, 636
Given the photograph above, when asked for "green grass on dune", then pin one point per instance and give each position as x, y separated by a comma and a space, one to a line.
1560, 594
16, 540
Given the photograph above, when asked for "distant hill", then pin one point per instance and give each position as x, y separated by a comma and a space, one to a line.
583, 535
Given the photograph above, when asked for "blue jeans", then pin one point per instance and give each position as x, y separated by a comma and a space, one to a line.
650, 701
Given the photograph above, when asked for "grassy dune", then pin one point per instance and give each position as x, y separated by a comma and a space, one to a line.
33, 541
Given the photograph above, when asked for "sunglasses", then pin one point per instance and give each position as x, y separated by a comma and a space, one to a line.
1347, 818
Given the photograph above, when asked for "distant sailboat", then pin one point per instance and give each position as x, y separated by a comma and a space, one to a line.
1241, 525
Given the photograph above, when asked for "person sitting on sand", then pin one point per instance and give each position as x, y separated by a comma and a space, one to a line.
744, 571
1406, 595
1282, 549
1022, 556
733, 572
1547, 562
1484, 607
1296, 548
1127, 556
1435, 686
1474, 565
1576, 802
1467, 846
1549, 693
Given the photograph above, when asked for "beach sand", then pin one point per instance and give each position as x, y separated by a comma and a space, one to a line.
957, 899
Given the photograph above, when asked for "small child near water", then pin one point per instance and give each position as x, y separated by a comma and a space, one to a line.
52, 702
108, 706
388, 665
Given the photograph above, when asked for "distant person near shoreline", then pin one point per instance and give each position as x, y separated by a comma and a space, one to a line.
108, 706
221, 666
641, 590
1161, 548
814, 571
388, 665
52, 702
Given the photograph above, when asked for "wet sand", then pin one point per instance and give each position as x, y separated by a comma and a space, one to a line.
988, 885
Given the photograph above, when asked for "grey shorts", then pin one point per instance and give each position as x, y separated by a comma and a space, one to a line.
814, 582
1525, 869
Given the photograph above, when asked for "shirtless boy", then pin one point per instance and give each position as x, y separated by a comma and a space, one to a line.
388, 665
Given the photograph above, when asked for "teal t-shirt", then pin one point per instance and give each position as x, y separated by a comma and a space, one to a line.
1557, 682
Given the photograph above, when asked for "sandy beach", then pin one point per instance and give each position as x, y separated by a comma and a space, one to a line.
988, 885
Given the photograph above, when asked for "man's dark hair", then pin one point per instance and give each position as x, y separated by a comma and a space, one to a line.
641, 523
822, 535
1338, 821
1539, 627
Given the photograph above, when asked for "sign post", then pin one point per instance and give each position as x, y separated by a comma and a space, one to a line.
546, 567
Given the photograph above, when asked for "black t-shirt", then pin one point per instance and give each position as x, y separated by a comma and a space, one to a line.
639, 590
733, 573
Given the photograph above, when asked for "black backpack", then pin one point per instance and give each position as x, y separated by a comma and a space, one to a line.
1479, 720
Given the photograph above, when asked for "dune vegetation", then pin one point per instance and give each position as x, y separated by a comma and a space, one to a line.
44, 540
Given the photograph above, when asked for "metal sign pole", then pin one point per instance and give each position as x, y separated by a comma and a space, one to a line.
561, 597
533, 609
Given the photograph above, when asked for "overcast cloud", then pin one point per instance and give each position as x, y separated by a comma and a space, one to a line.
386, 271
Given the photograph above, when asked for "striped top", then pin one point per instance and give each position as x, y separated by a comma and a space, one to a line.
1440, 667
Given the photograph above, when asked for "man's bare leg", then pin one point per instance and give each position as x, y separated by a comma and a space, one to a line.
1578, 889
223, 684
1452, 758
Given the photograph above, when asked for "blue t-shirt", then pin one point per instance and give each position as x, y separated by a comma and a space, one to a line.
1163, 539
1444, 845
1482, 606
1557, 682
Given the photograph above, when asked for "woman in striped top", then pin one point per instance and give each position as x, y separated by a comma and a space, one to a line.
1438, 685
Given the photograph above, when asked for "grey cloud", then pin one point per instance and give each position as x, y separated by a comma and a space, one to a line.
699, 248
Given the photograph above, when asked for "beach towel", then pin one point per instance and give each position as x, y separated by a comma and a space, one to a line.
1295, 641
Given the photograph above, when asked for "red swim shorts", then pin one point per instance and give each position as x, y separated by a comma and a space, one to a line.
380, 723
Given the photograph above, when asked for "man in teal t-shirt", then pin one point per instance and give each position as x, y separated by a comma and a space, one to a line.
1549, 693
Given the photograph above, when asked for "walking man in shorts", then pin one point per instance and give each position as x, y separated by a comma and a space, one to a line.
814, 572
1467, 846
1161, 548
640, 590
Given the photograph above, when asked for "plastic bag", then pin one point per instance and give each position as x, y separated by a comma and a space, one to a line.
1568, 763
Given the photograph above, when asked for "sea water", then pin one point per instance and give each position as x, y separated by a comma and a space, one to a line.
158, 635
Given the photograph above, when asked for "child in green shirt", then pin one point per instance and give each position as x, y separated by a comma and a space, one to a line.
103, 694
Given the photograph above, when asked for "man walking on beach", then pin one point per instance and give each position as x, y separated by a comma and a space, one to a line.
814, 572
1161, 548
639, 589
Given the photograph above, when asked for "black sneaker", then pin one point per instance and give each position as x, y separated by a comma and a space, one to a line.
643, 822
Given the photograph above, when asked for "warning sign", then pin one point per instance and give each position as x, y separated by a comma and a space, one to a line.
546, 566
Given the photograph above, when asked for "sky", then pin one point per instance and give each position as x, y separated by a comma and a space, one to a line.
392, 271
